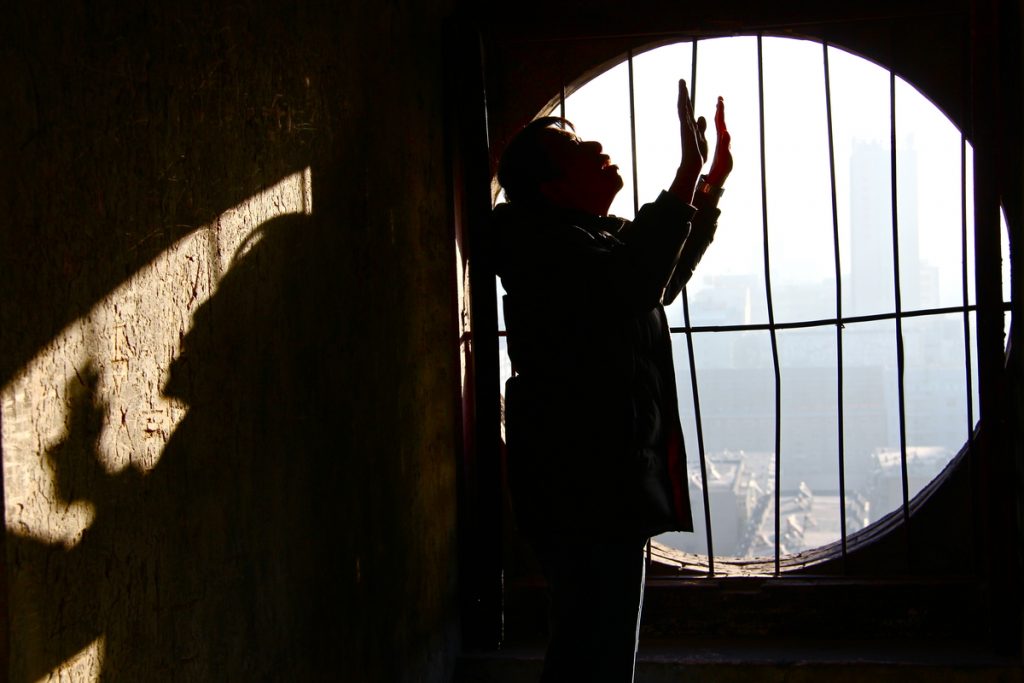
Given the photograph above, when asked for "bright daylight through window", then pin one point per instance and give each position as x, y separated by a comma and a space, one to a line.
843, 414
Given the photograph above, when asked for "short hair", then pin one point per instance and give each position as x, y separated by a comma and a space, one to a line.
525, 164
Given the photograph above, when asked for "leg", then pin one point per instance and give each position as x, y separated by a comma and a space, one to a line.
596, 597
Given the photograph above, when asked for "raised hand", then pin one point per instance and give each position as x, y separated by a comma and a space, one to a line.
691, 132
721, 163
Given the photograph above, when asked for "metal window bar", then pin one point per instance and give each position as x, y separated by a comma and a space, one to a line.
771, 311
969, 382
964, 285
826, 322
897, 296
636, 193
800, 324
688, 329
632, 134
839, 306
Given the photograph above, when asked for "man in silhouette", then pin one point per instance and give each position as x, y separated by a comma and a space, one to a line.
595, 452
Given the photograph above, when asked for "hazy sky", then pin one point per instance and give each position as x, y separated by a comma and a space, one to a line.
796, 152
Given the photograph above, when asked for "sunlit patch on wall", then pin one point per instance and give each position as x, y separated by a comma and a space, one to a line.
95, 390
87, 665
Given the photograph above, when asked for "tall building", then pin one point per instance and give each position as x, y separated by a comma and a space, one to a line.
870, 287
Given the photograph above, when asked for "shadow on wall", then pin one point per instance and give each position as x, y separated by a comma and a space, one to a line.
130, 127
188, 570
246, 474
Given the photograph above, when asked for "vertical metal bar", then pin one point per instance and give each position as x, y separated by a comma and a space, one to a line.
898, 300
632, 134
702, 453
974, 507
839, 305
636, 196
693, 74
969, 380
965, 286
561, 99
696, 394
771, 312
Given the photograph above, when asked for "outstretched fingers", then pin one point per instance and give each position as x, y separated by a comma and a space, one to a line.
702, 141
683, 104
720, 127
695, 146
721, 164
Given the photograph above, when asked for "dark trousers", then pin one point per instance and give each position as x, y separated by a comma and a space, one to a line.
596, 589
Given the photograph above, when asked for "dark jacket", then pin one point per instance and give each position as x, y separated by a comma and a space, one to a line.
592, 421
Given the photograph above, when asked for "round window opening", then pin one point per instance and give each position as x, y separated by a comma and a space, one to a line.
819, 247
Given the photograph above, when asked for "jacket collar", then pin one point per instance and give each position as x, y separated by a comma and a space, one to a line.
556, 214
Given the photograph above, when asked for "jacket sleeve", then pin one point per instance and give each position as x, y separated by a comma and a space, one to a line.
702, 232
653, 240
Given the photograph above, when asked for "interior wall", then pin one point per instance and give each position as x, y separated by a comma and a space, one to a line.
228, 354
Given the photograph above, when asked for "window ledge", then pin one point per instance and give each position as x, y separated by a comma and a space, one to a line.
790, 661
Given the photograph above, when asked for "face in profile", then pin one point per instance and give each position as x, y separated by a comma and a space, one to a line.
587, 179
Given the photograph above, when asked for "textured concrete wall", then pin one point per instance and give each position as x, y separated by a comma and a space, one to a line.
228, 348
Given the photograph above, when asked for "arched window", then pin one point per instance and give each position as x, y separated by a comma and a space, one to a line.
823, 348
835, 315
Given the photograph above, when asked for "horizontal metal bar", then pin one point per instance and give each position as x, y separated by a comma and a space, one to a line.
823, 322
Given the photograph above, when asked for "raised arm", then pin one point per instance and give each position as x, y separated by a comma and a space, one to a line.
705, 199
694, 147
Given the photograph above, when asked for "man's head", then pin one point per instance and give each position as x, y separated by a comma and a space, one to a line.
547, 164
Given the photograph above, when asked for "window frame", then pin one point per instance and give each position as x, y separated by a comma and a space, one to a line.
559, 47
896, 312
